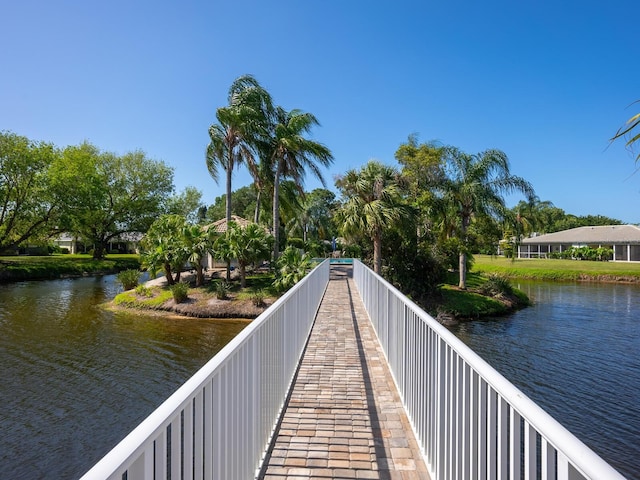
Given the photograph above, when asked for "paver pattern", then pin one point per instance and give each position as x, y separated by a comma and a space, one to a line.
344, 418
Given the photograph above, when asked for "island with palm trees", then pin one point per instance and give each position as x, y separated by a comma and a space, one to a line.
414, 225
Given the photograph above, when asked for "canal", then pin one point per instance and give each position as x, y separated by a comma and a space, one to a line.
75, 379
576, 353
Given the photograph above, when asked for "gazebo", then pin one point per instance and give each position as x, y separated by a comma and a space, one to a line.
624, 240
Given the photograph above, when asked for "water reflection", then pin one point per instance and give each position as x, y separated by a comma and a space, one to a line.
77, 378
575, 352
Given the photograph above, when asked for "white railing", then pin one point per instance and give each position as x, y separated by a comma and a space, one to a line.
470, 421
218, 425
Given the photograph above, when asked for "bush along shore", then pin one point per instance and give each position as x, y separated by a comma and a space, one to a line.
21, 268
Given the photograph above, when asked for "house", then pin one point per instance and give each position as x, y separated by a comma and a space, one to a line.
624, 240
123, 243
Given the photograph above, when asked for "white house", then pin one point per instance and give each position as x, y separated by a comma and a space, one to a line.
624, 240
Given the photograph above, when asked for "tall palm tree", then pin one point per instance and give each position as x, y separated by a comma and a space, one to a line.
241, 125
474, 185
373, 201
292, 154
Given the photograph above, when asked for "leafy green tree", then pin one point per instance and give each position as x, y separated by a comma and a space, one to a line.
247, 245
28, 206
243, 201
163, 247
111, 195
291, 267
314, 219
293, 154
242, 124
474, 186
372, 203
630, 130
187, 203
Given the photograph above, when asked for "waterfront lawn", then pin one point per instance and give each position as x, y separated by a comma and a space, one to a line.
557, 270
469, 303
18, 268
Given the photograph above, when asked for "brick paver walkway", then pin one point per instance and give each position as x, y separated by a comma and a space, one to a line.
344, 418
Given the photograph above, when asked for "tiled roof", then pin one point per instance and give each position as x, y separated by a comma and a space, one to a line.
220, 226
605, 235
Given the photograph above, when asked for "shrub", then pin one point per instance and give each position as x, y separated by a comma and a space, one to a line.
222, 290
128, 278
258, 298
296, 242
180, 292
352, 251
144, 291
496, 285
292, 267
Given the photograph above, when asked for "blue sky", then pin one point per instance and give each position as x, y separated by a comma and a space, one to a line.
547, 82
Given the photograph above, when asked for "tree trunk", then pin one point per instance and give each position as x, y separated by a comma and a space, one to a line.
199, 275
462, 266
276, 212
377, 252
243, 279
168, 275
256, 215
228, 209
228, 199
462, 263
98, 251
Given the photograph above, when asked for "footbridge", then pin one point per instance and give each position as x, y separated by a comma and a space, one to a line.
344, 377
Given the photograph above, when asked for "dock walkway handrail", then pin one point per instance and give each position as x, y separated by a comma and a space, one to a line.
219, 423
470, 421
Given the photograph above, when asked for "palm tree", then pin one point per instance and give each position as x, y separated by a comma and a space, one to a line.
241, 125
247, 245
198, 243
163, 247
292, 153
474, 186
373, 201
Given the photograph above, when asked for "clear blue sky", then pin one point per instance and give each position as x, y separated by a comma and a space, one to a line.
548, 82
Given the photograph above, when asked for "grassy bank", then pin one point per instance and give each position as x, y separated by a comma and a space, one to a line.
19, 268
205, 301
470, 303
558, 270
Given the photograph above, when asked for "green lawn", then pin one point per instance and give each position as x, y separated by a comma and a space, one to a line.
15, 268
563, 270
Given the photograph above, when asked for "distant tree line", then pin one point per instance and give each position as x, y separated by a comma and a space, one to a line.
94, 195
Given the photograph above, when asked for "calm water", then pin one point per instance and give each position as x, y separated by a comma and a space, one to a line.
75, 379
576, 353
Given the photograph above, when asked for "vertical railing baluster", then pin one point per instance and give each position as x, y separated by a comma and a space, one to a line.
548, 460
482, 429
492, 433
188, 441
530, 463
515, 445
503, 439
176, 448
